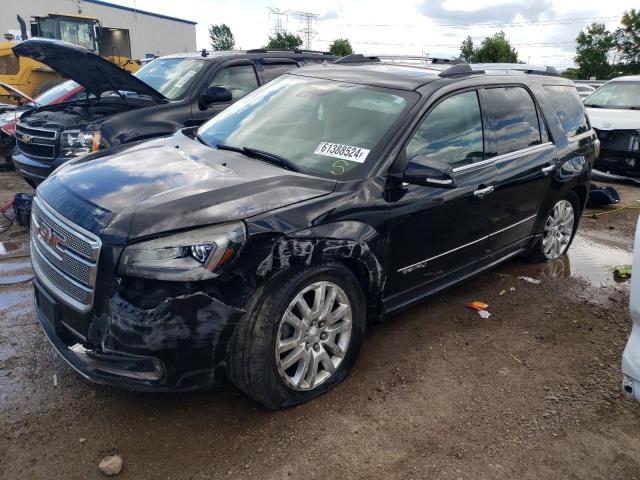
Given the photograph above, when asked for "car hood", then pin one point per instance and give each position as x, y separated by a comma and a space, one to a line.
614, 118
17, 93
171, 184
93, 72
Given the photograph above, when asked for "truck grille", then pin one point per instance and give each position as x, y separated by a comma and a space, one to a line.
36, 142
64, 256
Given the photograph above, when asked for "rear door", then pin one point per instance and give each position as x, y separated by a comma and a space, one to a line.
525, 162
239, 76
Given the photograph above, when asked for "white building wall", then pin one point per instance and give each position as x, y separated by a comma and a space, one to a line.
148, 34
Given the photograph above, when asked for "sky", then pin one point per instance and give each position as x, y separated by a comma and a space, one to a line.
542, 31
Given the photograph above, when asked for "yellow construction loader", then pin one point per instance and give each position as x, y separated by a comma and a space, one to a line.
33, 78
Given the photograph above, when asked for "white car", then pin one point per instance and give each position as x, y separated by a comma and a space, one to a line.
631, 355
614, 112
584, 91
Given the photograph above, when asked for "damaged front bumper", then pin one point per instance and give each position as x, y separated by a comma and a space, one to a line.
620, 154
181, 344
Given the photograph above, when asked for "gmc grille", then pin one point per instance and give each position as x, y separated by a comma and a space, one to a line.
64, 256
36, 142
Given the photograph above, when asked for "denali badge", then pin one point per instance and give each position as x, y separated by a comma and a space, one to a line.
51, 238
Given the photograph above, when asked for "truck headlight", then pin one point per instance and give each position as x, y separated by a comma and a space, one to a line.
78, 142
194, 255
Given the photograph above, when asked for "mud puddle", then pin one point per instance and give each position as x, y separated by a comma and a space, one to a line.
7, 248
592, 257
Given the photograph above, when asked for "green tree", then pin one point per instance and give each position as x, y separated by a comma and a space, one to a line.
627, 39
570, 73
495, 49
284, 41
466, 50
221, 37
341, 47
592, 52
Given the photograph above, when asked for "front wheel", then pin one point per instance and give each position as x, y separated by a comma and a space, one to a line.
300, 337
559, 229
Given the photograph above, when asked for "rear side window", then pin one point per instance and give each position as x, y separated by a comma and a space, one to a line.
569, 108
451, 132
274, 70
515, 118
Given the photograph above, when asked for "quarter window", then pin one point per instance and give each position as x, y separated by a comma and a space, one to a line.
240, 79
516, 124
451, 133
274, 70
568, 106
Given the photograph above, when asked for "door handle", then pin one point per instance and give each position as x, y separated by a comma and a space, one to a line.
483, 191
547, 170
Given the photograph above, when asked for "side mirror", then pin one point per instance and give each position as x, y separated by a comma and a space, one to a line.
216, 94
421, 170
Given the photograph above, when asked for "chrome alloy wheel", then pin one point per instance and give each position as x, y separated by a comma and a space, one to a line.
313, 335
558, 230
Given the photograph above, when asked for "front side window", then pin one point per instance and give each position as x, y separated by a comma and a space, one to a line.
624, 95
515, 118
172, 77
274, 70
324, 127
451, 132
568, 107
240, 79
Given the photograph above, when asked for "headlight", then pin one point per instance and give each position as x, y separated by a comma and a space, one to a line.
78, 142
194, 255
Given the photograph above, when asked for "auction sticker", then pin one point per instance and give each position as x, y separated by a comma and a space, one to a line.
344, 152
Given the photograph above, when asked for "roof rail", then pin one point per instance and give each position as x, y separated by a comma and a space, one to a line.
357, 58
459, 69
295, 50
519, 67
421, 59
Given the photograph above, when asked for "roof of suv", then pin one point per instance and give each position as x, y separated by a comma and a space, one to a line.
257, 53
413, 76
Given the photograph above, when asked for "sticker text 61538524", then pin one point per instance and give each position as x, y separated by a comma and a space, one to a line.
344, 152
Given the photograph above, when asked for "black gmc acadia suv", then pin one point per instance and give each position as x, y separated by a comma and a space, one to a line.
167, 94
259, 246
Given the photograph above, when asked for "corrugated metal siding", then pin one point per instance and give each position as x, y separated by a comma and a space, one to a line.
148, 34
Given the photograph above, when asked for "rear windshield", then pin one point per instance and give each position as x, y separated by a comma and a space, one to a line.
172, 77
625, 95
566, 102
54, 93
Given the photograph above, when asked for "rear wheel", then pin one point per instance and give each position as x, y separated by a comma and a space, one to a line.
300, 337
559, 229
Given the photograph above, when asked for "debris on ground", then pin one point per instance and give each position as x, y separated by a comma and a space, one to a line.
601, 196
55, 380
484, 313
622, 272
111, 465
530, 280
481, 308
502, 292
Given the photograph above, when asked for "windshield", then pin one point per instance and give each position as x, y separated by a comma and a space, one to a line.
54, 93
323, 127
616, 95
171, 76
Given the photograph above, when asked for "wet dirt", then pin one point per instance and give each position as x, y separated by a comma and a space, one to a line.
533, 392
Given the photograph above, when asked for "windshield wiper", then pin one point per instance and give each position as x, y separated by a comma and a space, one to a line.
593, 105
262, 155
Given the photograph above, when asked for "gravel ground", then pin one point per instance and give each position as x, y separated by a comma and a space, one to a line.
533, 392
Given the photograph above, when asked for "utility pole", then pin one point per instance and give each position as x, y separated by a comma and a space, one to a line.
277, 19
308, 32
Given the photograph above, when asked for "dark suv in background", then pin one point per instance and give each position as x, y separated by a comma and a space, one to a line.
167, 94
259, 246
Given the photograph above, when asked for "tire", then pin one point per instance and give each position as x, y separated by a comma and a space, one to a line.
546, 249
44, 86
255, 367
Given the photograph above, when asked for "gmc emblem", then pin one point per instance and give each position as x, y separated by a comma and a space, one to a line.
51, 238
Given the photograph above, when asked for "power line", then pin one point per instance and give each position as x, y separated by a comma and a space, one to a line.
277, 19
492, 25
308, 32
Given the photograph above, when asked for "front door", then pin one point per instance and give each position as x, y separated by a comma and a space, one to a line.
439, 233
240, 78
